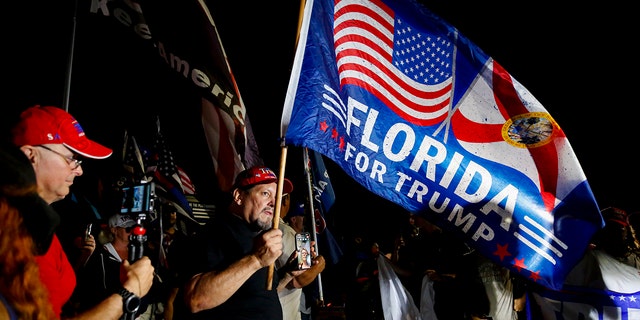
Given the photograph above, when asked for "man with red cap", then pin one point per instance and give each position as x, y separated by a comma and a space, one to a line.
53, 141
229, 279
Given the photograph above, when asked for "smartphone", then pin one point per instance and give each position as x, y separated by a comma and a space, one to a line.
87, 231
303, 248
138, 199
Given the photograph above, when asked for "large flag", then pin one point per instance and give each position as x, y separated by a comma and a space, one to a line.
186, 40
419, 115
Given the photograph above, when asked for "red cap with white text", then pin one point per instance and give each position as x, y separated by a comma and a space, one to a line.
52, 125
254, 175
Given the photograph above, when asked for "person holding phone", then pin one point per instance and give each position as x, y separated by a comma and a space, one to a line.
290, 293
228, 268
54, 143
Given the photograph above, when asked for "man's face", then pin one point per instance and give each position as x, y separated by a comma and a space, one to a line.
297, 223
284, 207
258, 205
55, 170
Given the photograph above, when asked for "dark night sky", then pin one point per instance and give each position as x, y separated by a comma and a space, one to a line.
574, 60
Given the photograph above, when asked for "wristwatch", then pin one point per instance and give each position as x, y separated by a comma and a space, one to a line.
130, 302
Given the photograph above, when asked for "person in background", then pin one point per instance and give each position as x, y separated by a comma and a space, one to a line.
78, 218
22, 294
447, 262
100, 277
365, 299
616, 237
634, 224
290, 290
240, 245
53, 141
504, 298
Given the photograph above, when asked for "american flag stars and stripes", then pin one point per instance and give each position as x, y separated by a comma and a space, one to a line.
166, 163
187, 185
410, 70
166, 174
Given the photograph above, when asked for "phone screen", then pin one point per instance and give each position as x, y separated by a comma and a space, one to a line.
87, 231
303, 247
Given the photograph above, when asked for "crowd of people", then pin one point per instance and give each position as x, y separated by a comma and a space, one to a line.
237, 266
51, 142
226, 275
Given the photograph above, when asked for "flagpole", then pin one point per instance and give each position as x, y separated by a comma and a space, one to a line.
283, 161
276, 215
313, 219
67, 81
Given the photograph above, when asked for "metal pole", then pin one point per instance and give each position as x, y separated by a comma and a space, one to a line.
313, 219
67, 81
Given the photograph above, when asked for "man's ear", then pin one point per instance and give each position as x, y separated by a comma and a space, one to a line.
29, 151
237, 196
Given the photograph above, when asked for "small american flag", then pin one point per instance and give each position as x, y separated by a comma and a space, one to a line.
408, 69
166, 163
132, 158
187, 185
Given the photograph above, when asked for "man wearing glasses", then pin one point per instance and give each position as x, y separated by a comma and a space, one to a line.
53, 141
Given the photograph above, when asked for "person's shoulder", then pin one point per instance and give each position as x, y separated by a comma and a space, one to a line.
285, 227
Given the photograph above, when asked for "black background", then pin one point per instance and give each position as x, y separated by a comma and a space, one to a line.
576, 60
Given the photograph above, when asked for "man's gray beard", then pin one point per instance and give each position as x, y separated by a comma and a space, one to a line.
261, 225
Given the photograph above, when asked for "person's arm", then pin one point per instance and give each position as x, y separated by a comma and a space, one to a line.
305, 277
210, 289
87, 246
139, 278
293, 278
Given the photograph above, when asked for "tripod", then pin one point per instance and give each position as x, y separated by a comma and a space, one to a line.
137, 239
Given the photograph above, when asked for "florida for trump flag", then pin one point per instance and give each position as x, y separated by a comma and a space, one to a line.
419, 115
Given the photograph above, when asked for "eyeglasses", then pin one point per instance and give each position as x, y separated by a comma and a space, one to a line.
73, 162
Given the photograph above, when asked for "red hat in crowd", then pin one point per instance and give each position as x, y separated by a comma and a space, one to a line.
43, 125
260, 175
617, 215
253, 176
287, 186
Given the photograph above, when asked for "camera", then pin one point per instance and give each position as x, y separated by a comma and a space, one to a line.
138, 199
303, 248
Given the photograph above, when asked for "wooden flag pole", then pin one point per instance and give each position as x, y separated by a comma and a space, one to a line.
276, 214
283, 161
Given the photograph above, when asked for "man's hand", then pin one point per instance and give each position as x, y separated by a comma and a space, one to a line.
86, 245
137, 277
268, 246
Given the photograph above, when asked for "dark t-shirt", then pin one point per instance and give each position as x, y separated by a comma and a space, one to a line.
97, 280
225, 240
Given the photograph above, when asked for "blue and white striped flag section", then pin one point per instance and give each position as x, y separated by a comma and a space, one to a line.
599, 287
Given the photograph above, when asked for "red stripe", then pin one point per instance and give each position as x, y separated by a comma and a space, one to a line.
545, 157
394, 81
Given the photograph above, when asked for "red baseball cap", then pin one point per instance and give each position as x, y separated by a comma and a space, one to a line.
254, 175
43, 125
287, 186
